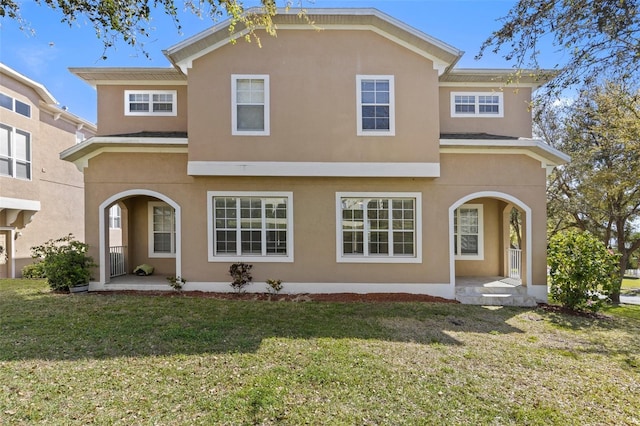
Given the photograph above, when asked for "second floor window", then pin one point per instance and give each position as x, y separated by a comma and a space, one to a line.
376, 106
250, 105
15, 153
150, 102
15, 105
477, 104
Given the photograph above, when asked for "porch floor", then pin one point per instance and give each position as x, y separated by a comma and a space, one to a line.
488, 282
141, 280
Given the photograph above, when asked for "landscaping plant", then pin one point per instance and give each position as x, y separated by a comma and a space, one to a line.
65, 262
241, 275
176, 282
274, 286
582, 270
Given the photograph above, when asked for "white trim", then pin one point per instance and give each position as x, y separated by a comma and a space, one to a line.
151, 113
315, 169
432, 289
480, 254
477, 113
234, 105
416, 258
528, 231
534, 148
212, 257
150, 231
392, 107
499, 85
103, 225
39, 88
19, 204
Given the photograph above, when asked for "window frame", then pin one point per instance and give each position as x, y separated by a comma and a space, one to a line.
457, 236
13, 160
150, 102
477, 113
360, 104
151, 232
14, 105
266, 104
367, 258
115, 217
211, 240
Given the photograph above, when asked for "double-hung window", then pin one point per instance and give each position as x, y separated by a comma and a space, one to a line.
115, 217
477, 104
468, 232
250, 105
162, 230
379, 227
15, 105
250, 226
150, 102
376, 105
15, 153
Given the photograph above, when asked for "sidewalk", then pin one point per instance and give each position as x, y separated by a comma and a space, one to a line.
630, 300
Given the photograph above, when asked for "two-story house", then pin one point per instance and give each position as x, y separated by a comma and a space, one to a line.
41, 196
350, 158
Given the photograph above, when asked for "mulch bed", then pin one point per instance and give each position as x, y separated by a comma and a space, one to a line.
305, 297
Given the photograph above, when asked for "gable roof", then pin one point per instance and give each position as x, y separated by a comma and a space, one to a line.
42, 91
443, 55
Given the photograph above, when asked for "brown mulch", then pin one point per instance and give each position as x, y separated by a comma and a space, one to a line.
305, 297
557, 309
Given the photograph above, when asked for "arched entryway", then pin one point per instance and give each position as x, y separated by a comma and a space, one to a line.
482, 244
150, 232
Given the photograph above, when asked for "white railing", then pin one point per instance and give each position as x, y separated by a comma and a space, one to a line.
514, 263
116, 260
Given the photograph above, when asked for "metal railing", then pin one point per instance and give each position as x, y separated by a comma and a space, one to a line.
514, 263
117, 261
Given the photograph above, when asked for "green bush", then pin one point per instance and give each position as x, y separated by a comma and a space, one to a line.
65, 262
583, 271
33, 271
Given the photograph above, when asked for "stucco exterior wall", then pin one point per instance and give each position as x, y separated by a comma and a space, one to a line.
113, 121
313, 100
314, 210
516, 122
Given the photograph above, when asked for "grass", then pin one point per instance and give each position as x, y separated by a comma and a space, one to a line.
114, 359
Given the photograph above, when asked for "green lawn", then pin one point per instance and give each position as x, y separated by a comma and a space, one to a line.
114, 359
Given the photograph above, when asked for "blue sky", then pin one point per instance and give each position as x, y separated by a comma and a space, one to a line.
45, 55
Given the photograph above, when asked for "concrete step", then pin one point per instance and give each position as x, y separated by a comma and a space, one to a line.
495, 296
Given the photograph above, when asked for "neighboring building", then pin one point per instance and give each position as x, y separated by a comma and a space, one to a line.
41, 196
351, 159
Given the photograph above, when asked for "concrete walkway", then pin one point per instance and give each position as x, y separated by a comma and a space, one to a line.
630, 300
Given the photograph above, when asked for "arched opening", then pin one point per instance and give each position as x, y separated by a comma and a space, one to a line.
490, 239
139, 227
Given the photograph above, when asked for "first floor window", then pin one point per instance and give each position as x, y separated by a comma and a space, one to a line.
378, 227
468, 231
115, 217
150, 102
162, 230
251, 225
250, 104
15, 153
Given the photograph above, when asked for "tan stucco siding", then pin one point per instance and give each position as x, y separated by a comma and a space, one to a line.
515, 122
113, 121
314, 206
313, 100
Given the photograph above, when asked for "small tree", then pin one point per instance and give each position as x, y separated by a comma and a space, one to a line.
65, 262
583, 271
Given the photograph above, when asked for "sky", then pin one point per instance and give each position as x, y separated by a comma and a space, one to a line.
45, 53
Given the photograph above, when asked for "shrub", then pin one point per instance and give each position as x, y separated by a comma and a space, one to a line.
583, 271
33, 271
241, 275
176, 282
65, 262
274, 286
